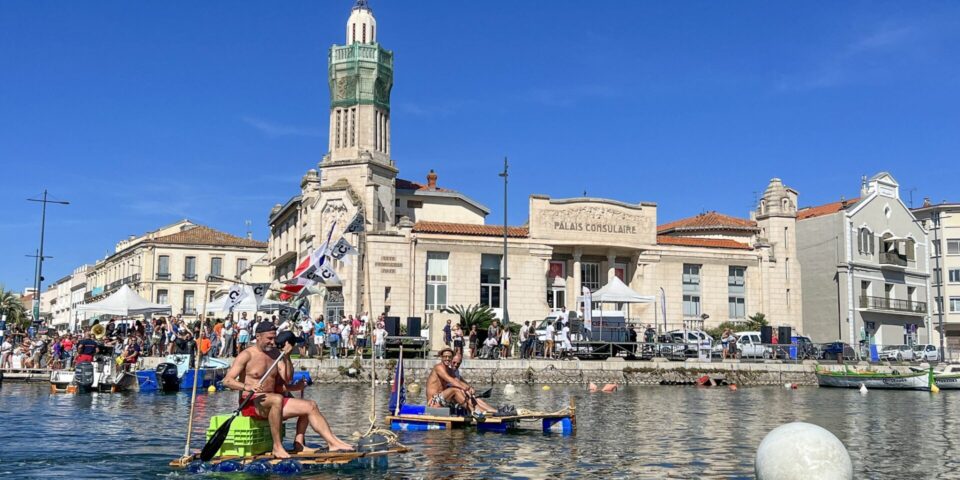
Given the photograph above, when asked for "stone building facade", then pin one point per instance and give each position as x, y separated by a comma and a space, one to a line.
942, 222
865, 269
427, 247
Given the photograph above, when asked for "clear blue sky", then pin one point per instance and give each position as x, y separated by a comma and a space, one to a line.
143, 113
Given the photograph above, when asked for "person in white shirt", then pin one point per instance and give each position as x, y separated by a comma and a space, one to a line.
226, 341
523, 339
490, 346
6, 350
361, 337
505, 343
345, 336
243, 338
565, 337
551, 333
306, 331
379, 341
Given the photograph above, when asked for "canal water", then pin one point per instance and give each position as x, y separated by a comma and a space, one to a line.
638, 432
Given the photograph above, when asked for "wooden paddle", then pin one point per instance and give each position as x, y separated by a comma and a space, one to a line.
485, 394
216, 441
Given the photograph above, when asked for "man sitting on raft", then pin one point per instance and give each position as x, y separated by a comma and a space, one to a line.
445, 390
252, 364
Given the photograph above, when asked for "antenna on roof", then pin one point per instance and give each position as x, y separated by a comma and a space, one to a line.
249, 233
914, 189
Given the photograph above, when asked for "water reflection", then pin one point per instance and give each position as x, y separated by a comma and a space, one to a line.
639, 432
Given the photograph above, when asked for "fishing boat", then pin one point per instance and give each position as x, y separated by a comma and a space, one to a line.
948, 378
175, 374
102, 375
874, 380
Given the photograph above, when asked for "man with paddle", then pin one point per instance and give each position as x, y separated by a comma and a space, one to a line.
445, 390
264, 386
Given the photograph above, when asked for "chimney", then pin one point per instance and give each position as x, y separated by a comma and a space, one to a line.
432, 180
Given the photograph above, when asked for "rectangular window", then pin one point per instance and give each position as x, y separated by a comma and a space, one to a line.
490, 280
911, 294
953, 246
216, 266
954, 304
620, 271
189, 307
736, 288
414, 204
937, 276
937, 304
241, 266
888, 290
337, 135
691, 290
437, 276
590, 275
190, 268
163, 267
955, 275
864, 288
353, 126
162, 297
936, 247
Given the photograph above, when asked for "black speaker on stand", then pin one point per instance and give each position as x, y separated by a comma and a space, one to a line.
784, 334
413, 326
766, 334
392, 326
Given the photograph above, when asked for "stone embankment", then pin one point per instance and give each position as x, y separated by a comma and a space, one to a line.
655, 372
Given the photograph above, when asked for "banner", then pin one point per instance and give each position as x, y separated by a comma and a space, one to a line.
587, 308
357, 225
322, 274
259, 291
663, 307
316, 258
341, 249
235, 295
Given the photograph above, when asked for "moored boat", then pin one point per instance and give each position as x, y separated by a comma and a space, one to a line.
100, 376
948, 378
874, 380
175, 374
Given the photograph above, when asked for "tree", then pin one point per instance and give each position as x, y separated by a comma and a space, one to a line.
753, 324
480, 315
12, 307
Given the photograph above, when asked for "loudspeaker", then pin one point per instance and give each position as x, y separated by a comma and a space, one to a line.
766, 334
413, 326
784, 334
392, 325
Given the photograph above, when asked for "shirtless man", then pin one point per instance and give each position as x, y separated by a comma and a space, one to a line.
455, 366
252, 364
445, 390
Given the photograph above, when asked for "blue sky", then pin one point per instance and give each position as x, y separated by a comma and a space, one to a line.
143, 113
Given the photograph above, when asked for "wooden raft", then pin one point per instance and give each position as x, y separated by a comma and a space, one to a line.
315, 458
567, 421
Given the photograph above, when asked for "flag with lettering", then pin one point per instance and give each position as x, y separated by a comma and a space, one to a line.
357, 225
235, 295
259, 291
587, 309
342, 249
315, 259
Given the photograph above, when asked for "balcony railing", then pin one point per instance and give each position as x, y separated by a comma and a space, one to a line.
893, 304
892, 258
163, 276
189, 311
190, 277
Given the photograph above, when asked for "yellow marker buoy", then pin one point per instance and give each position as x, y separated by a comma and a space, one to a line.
212, 389
546, 387
934, 389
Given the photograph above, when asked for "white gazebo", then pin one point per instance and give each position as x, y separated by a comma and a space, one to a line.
124, 302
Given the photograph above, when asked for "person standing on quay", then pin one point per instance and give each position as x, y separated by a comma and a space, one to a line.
447, 334
473, 341
524, 341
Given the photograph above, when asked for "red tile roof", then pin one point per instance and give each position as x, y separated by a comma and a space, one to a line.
469, 229
201, 235
702, 242
820, 210
708, 221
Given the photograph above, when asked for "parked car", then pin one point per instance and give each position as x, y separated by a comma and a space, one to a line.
805, 347
890, 352
829, 351
926, 353
695, 340
749, 345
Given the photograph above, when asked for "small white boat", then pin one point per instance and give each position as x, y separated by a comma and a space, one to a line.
100, 376
948, 378
874, 380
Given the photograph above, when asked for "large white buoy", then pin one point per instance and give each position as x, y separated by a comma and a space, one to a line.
802, 451
863, 389
509, 389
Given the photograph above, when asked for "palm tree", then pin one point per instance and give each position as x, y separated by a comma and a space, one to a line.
11, 306
480, 315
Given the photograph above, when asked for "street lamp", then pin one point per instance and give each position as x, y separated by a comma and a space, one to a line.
39, 275
504, 174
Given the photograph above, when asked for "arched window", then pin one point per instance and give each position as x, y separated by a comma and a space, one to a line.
866, 241
784, 204
763, 207
364, 33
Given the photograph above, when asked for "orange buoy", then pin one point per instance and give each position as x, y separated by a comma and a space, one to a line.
593, 387
733, 386
610, 388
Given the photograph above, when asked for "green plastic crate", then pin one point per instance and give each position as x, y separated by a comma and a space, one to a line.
247, 436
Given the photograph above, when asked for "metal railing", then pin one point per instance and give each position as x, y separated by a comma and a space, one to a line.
190, 277
892, 258
893, 304
163, 276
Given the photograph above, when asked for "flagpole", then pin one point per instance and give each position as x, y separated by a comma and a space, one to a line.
196, 368
396, 382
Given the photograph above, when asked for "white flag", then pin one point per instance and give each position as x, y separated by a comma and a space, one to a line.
342, 249
357, 225
587, 308
322, 274
259, 291
235, 295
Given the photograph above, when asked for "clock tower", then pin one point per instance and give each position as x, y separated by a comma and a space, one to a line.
360, 79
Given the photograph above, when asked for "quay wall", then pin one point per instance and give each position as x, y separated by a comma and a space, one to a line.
351, 370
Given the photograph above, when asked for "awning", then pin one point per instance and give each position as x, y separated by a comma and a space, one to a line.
124, 302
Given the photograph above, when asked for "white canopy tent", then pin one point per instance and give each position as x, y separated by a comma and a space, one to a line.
248, 304
124, 302
615, 291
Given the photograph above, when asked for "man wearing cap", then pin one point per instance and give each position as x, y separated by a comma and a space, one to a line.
268, 401
445, 390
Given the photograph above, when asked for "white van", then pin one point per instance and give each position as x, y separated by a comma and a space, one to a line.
749, 345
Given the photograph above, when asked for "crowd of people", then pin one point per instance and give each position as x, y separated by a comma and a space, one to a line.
502, 342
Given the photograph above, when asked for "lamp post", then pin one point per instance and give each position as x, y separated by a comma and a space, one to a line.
39, 273
504, 174
935, 215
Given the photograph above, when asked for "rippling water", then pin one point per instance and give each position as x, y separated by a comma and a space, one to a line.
638, 432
